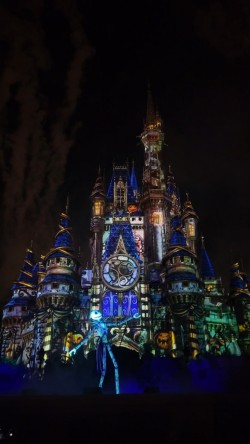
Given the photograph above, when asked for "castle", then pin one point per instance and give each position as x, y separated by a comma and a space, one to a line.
147, 258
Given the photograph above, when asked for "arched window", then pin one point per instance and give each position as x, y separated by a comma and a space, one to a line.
110, 304
129, 304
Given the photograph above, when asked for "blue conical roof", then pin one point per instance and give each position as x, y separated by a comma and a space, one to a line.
177, 237
133, 180
98, 190
63, 243
206, 267
178, 243
25, 278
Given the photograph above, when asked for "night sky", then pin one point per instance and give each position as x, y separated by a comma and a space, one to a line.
73, 82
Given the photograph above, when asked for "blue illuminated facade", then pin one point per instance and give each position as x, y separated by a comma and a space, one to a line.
147, 258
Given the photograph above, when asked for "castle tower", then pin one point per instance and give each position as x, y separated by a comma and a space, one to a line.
18, 311
184, 293
220, 326
97, 226
121, 290
155, 202
57, 295
239, 300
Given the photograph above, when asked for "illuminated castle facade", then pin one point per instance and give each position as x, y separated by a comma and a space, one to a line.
146, 257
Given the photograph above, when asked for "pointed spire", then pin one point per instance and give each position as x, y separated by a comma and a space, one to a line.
206, 267
67, 205
133, 179
98, 190
63, 237
153, 120
188, 209
150, 106
25, 278
63, 242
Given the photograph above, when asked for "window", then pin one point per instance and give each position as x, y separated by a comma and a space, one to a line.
191, 228
156, 218
97, 208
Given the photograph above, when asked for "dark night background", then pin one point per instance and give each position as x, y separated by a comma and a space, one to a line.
73, 82
73, 93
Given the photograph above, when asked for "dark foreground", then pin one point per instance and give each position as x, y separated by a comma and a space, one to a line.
149, 417
161, 401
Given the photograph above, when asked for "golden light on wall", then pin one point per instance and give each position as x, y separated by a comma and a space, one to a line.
98, 208
156, 218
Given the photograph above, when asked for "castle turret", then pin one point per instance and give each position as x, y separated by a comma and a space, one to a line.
239, 299
212, 284
18, 310
58, 293
220, 327
184, 292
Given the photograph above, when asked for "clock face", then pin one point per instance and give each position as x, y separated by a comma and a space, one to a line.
120, 272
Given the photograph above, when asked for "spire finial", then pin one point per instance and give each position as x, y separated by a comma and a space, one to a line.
202, 241
99, 170
187, 195
31, 245
67, 205
150, 106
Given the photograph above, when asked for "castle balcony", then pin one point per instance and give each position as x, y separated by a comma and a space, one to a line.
56, 300
187, 298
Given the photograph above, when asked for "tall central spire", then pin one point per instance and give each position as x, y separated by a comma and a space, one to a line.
152, 139
150, 107
153, 120
154, 198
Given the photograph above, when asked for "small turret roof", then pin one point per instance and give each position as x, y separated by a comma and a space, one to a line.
99, 187
188, 209
133, 180
25, 278
206, 267
178, 243
63, 242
